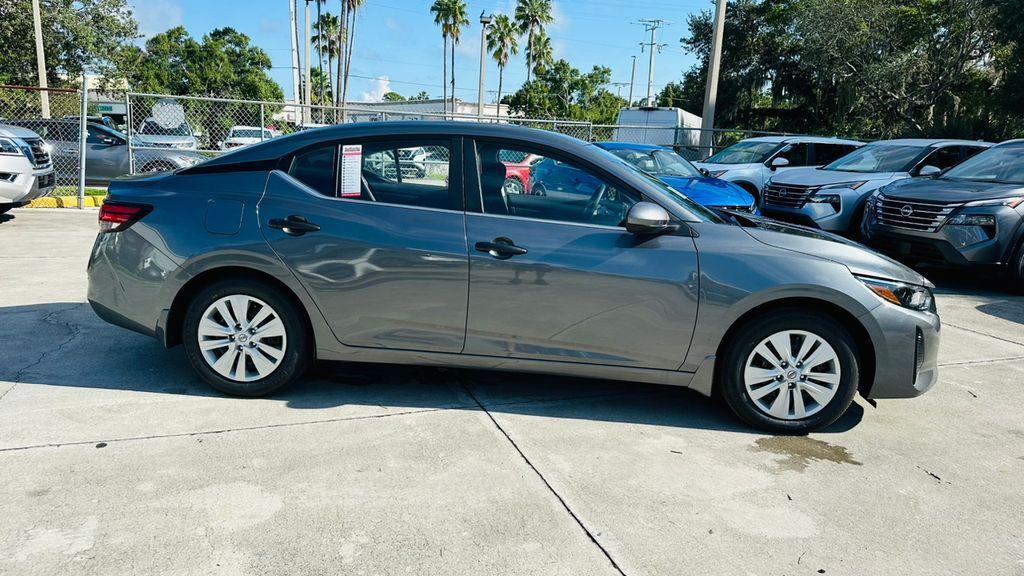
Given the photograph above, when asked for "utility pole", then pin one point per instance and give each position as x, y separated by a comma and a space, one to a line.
44, 96
618, 87
485, 21
632, 79
292, 9
307, 112
707, 123
652, 27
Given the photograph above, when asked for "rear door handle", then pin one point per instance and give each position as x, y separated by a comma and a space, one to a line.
294, 225
501, 248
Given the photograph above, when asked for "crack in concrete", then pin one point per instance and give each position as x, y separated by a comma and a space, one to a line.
561, 500
980, 333
75, 331
989, 361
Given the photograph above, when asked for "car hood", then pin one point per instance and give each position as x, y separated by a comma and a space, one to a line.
945, 190
710, 191
857, 257
17, 132
814, 177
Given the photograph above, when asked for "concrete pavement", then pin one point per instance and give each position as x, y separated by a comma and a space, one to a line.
115, 459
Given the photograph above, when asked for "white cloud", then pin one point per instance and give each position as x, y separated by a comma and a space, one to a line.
156, 16
378, 88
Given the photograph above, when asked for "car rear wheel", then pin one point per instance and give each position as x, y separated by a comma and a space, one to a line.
513, 185
245, 338
792, 372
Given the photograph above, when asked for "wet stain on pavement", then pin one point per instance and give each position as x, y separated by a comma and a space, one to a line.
800, 451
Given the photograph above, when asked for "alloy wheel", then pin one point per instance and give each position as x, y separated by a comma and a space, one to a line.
792, 374
242, 338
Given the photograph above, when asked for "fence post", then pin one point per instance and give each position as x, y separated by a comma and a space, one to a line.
590, 131
263, 122
128, 132
83, 133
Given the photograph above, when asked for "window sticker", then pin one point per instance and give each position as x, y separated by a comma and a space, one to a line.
351, 170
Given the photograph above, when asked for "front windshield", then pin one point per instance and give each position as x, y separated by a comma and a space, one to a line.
878, 158
1001, 165
744, 153
658, 162
154, 129
694, 208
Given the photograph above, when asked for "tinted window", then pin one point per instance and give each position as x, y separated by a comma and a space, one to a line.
879, 158
1001, 164
556, 189
970, 151
797, 154
828, 153
943, 158
316, 169
412, 173
744, 153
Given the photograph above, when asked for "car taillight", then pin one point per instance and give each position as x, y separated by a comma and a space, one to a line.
115, 217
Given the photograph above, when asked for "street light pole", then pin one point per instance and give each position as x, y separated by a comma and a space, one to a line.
485, 21
307, 111
707, 124
44, 95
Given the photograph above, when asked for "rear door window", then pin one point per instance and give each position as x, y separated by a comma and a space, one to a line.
317, 169
943, 158
797, 154
829, 153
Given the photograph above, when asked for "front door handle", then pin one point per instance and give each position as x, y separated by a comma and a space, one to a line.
501, 248
294, 225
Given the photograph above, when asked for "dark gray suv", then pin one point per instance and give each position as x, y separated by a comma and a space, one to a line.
970, 216
318, 246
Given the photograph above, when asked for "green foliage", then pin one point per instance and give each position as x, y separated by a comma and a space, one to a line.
394, 97
562, 91
866, 68
423, 95
76, 34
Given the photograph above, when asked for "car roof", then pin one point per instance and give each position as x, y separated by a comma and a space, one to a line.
278, 147
932, 142
789, 139
629, 146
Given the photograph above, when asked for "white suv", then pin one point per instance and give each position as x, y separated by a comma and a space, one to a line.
26, 172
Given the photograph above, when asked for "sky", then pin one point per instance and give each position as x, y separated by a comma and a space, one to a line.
399, 48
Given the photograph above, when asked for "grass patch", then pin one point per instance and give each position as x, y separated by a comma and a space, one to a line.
73, 191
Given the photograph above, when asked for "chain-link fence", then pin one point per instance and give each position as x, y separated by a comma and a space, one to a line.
53, 115
154, 132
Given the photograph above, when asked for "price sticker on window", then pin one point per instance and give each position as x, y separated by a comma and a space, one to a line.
351, 170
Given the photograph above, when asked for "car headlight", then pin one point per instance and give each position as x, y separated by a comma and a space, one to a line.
832, 199
1012, 202
972, 220
901, 294
9, 147
844, 185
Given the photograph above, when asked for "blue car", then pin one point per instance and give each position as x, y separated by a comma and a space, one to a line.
672, 169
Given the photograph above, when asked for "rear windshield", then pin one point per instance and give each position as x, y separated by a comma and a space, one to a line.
1001, 165
879, 158
744, 153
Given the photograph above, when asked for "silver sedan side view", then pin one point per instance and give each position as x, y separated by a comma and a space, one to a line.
321, 245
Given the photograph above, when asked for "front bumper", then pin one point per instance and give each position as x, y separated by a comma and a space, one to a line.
906, 346
27, 186
822, 215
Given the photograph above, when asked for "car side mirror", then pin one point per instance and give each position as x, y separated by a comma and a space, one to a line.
779, 162
929, 171
704, 172
647, 219
109, 140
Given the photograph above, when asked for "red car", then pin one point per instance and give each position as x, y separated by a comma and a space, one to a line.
517, 170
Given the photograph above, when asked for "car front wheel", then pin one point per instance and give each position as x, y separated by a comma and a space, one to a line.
792, 372
245, 338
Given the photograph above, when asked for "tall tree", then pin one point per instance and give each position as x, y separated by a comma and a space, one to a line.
352, 7
327, 36
451, 16
503, 42
459, 19
441, 10
540, 53
562, 91
532, 16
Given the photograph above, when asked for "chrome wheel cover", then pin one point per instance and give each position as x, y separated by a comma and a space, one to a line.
792, 374
242, 338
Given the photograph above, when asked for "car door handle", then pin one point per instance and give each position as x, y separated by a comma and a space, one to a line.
294, 225
501, 248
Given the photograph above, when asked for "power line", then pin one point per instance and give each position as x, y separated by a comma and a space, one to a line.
652, 25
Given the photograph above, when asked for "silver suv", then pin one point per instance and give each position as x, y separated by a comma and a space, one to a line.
832, 197
26, 171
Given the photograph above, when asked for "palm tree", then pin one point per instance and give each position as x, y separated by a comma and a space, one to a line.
319, 46
532, 16
352, 8
442, 10
321, 83
458, 21
540, 53
327, 27
503, 42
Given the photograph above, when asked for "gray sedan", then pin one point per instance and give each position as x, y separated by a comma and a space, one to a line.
315, 246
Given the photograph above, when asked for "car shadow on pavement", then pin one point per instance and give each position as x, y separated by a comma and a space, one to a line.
6, 217
65, 344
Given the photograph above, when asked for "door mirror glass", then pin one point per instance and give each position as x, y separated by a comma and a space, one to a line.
779, 162
929, 171
648, 218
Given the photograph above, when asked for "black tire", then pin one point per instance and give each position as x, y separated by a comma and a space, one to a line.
298, 352
514, 185
1015, 271
737, 352
539, 190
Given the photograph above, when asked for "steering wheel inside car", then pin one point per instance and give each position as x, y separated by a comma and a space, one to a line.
593, 208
